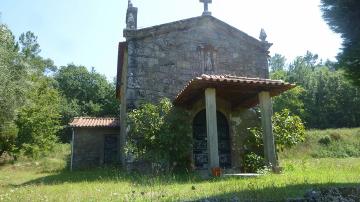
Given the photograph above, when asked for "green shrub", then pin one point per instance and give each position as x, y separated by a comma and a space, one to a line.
288, 131
253, 162
8, 134
324, 140
160, 134
337, 150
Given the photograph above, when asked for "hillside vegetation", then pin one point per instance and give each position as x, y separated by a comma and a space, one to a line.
330, 143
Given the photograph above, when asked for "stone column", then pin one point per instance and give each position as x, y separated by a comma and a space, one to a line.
268, 137
211, 127
123, 111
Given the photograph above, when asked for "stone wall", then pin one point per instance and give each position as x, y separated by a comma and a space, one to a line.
160, 64
88, 146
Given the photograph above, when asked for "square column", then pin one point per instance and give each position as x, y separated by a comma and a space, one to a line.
211, 127
268, 137
123, 111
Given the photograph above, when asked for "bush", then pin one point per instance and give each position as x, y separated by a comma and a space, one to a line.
324, 140
337, 150
253, 162
288, 131
8, 134
160, 134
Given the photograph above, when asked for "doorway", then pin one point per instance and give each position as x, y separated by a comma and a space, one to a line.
200, 154
110, 149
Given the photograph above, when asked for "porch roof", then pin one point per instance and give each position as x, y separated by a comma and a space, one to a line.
239, 91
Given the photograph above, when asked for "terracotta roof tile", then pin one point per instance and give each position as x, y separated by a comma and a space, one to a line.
108, 122
239, 90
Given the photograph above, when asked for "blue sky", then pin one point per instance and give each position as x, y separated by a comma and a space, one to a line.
86, 32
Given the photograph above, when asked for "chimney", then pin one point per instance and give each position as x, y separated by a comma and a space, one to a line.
131, 17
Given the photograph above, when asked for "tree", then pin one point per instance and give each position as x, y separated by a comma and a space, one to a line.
330, 100
30, 49
85, 93
301, 68
90, 90
29, 44
29, 108
343, 17
12, 76
13, 86
39, 120
324, 98
277, 62
291, 100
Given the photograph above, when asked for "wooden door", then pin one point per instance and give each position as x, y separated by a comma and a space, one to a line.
110, 149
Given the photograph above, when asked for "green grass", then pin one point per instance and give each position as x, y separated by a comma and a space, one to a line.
48, 180
111, 184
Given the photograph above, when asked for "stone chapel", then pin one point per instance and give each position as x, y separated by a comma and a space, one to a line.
215, 71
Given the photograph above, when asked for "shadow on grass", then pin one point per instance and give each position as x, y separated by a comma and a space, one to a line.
275, 193
113, 175
247, 191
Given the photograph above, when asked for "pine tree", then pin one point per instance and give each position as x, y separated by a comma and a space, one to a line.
343, 17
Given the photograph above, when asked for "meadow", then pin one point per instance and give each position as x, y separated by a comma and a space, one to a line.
49, 179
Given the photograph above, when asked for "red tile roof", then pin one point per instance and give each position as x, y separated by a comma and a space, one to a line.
237, 90
93, 122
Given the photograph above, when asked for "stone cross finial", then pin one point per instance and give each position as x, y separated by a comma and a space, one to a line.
206, 6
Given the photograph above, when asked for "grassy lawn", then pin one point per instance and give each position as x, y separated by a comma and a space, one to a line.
47, 180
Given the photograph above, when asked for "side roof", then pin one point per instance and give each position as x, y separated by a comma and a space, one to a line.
95, 122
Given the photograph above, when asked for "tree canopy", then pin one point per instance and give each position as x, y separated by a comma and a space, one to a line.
323, 97
37, 100
343, 17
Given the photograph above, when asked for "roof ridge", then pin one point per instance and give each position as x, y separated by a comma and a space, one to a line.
91, 117
213, 76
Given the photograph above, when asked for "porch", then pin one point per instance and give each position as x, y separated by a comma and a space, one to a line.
217, 98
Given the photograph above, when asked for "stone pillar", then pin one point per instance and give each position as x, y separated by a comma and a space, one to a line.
123, 111
268, 137
211, 127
